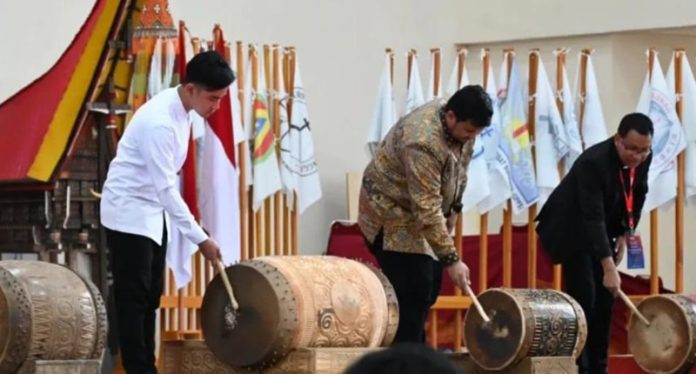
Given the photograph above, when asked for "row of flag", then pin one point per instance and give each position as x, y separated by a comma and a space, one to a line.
210, 178
503, 166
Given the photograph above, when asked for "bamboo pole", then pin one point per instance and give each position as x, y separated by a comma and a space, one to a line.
654, 223
294, 214
507, 214
483, 237
287, 249
277, 207
267, 204
409, 65
257, 224
560, 71
437, 60
584, 57
241, 160
531, 127
681, 170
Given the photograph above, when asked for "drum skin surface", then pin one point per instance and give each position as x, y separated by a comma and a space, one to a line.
668, 344
48, 312
524, 323
289, 302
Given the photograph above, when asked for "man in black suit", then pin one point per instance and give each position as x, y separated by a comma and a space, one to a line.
584, 224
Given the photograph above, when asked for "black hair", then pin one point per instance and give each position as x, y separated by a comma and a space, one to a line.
210, 71
638, 122
405, 358
471, 103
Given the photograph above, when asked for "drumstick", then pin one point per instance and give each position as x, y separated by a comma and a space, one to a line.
633, 308
478, 306
228, 286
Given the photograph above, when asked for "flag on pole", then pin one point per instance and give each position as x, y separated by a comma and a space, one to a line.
657, 102
431, 94
594, 129
551, 140
304, 168
248, 103
455, 83
414, 94
384, 114
516, 135
265, 162
570, 123
496, 153
688, 121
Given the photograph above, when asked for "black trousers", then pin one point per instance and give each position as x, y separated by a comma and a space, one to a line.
583, 278
416, 279
137, 264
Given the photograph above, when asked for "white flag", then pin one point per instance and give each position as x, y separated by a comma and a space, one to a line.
384, 115
306, 174
496, 152
431, 94
454, 84
689, 123
657, 102
570, 123
477, 187
414, 95
551, 140
594, 129
265, 160
516, 135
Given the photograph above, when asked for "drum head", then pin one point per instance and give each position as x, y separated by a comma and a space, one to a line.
664, 346
260, 332
494, 345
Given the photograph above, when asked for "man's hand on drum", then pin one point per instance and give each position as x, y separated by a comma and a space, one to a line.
459, 273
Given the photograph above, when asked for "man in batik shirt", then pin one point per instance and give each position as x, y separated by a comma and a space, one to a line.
411, 192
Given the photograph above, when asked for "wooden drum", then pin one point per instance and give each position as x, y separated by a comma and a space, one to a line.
668, 345
47, 312
289, 302
524, 323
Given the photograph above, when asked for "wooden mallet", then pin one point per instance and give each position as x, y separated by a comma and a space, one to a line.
478, 306
633, 308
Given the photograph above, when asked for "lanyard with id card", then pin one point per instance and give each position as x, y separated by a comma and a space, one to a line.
634, 247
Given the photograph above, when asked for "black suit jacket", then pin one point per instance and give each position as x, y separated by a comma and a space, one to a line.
587, 211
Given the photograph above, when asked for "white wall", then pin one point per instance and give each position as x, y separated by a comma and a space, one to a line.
341, 44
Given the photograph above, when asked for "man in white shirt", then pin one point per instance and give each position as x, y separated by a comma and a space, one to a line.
140, 187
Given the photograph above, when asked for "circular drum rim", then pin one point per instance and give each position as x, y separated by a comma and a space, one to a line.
19, 319
475, 314
672, 299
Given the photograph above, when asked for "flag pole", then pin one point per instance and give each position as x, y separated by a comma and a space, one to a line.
531, 127
507, 213
257, 223
277, 207
654, 223
294, 214
241, 161
267, 227
483, 237
560, 69
287, 250
409, 65
681, 178
584, 57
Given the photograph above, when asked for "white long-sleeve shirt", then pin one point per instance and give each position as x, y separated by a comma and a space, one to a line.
141, 182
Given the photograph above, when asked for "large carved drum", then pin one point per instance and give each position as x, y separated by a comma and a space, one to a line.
288, 302
47, 312
524, 323
668, 344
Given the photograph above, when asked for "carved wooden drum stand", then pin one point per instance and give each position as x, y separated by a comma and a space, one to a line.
289, 302
47, 312
524, 323
668, 344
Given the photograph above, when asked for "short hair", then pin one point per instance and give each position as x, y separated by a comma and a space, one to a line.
405, 358
471, 103
210, 71
638, 122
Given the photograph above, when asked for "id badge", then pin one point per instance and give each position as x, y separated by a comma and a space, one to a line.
634, 249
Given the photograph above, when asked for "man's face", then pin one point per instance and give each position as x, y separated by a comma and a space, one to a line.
633, 148
205, 102
461, 130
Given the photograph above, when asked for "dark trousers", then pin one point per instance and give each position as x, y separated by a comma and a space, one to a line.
416, 279
583, 278
137, 264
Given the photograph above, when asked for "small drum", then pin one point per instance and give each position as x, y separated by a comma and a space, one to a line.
668, 344
289, 302
524, 323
